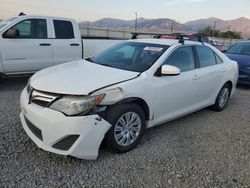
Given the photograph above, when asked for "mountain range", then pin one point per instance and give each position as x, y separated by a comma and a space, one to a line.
167, 25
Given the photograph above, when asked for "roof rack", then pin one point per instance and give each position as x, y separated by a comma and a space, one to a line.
200, 39
21, 14
178, 36
156, 35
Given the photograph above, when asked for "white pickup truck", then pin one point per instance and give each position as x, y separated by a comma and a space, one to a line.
32, 43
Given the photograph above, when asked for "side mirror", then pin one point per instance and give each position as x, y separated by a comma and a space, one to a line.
168, 70
10, 33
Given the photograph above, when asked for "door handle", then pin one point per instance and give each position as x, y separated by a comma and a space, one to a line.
196, 77
45, 44
74, 44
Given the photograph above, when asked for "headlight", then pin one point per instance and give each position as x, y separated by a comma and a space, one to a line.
112, 96
73, 105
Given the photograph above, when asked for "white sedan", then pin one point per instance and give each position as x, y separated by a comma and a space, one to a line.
70, 109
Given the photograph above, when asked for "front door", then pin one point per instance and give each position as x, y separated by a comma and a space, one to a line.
29, 49
177, 95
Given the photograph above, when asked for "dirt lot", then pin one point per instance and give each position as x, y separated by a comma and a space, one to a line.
204, 149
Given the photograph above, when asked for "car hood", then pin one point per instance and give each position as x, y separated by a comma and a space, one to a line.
78, 78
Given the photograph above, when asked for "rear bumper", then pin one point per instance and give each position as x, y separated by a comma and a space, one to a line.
77, 136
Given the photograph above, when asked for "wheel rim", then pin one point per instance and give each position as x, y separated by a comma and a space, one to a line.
223, 98
127, 129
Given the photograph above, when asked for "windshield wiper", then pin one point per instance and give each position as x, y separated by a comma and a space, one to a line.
107, 65
92, 61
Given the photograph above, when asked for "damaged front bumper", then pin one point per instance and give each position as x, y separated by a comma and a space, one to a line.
78, 136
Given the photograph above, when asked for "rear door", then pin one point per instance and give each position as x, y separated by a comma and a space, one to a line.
66, 45
211, 74
30, 49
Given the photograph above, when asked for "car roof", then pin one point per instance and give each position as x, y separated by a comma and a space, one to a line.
168, 42
41, 16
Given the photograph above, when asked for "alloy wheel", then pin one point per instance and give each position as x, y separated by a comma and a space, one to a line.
127, 129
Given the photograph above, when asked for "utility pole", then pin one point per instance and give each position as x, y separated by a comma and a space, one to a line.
172, 26
228, 30
135, 21
214, 28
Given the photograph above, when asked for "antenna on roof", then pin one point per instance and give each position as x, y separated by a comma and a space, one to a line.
21, 14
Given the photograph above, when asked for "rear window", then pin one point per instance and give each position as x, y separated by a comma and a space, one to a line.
63, 29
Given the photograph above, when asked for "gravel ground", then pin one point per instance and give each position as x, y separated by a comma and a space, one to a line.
204, 149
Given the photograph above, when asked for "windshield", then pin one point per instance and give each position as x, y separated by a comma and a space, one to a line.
132, 56
5, 22
242, 48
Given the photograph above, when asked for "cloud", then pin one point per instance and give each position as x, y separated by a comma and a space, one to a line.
181, 2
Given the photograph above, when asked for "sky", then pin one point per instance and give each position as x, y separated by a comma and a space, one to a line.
82, 10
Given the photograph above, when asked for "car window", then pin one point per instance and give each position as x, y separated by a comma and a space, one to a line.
242, 48
206, 56
218, 59
183, 58
24, 28
32, 28
63, 29
132, 56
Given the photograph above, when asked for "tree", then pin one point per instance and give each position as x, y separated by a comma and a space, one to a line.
231, 34
210, 32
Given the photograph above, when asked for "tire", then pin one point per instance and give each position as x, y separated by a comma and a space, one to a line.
119, 137
222, 98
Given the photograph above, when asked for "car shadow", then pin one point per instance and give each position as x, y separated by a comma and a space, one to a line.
244, 87
13, 83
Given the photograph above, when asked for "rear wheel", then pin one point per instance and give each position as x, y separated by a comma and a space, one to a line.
128, 124
222, 98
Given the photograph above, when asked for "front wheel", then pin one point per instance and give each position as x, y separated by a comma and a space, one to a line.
222, 98
128, 124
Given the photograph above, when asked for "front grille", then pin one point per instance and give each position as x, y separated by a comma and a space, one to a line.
37, 132
43, 99
66, 143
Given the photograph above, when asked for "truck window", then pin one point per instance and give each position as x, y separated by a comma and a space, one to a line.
63, 29
31, 28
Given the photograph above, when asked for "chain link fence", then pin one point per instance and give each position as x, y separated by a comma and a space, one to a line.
126, 34
102, 32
